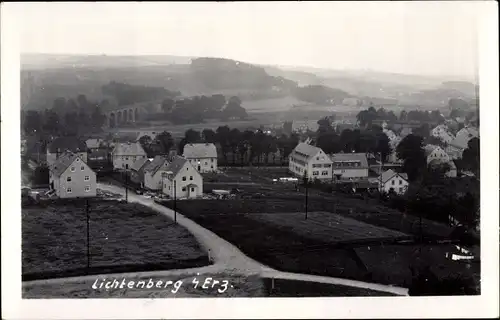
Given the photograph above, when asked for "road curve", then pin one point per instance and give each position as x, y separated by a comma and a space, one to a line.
227, 258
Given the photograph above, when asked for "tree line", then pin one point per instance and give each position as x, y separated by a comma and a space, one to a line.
199, 108
126, 94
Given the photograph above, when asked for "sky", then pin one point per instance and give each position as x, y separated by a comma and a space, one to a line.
427, 38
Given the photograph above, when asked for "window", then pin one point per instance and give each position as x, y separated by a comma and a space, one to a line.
72, 169
68, 190
400, 190
77, 160
87, 188
68, 179
187, 168
168, 187
206, 163
184, 189
184, 178
82, 168
316, 166
192, 189
211, 167
87, 178
191, 178
400, 181
317, 158
315, 173
327, 165
392, 182
126, 158
211, 160
324, 173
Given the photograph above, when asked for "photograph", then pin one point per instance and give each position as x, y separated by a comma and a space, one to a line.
251, 150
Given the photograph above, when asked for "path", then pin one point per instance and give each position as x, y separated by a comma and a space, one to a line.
228, 259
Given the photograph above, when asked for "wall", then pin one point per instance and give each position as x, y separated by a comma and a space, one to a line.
397, 180
121, 162
153, 182
77, 183
206, 164
347, 173
186, 171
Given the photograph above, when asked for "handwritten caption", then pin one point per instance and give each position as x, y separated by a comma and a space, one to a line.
202, 283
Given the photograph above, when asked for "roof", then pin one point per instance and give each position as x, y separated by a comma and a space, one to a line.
176, 165
129, 149
72, 144
200, 150
387, 175
96, 153
156, 164
140, 164
307, 149
62, 163
93, 143
340, 157
429, 148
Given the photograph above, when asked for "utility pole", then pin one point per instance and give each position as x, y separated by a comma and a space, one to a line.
87, 211
126, 188
380, 174
307, 188
175, 201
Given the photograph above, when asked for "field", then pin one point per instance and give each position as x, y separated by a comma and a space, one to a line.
123, 238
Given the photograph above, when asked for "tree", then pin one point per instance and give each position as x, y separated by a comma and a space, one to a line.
403, 115
234, 109
325, 124
40, 175
52, 124
32, 122
165, 141
411, 151
470, 156
222, 135
422, 131
98, 119
234, 140
192, 136
383, 147
209, 136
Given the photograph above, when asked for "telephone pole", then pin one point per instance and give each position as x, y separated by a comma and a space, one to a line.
175, 201
307, 189
87, 211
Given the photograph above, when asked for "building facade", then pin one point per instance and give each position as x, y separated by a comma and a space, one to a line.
153, 173
350, 166
182, 180
124, 155
393, 181
311, 162
71, 177
202, 156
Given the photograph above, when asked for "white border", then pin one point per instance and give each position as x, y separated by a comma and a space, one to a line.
485, 305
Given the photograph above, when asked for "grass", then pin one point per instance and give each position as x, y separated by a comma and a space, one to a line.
123, 238
270, 232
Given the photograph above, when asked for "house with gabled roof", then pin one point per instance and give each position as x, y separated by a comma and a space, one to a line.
443, 133
310, 161
153, 172
124, 155
203, 156
61, 145
436, 154
182, 180
350, 166
464, 136
391, 180
137, 171
71, 177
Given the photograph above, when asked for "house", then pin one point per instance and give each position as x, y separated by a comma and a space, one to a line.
94, 143
442, 132
405, 131
435, 153
350, 166
137, 171
203, 156
310, 161
153, 172
124, 155
182, 180
453, 152
71, 177
393, 181
61, 145
463, 137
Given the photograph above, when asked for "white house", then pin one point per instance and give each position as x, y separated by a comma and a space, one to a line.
310, 161
350, 166
453, 151
61, 145
203, 156
390, 179
182, 180
125, 154
71, 177
153, 173
435, 153
442, 133
463, 137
